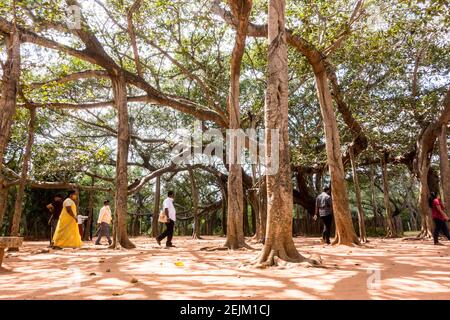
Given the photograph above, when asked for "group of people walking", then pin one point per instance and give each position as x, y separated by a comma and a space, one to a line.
324, 210
66, 225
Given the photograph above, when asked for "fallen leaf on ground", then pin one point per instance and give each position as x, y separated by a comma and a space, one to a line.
134, 280
108, 270
92, 274
179, 264
118, 293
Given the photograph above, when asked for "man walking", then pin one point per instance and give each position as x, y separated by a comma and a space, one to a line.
104, 220
169, 210
55, 209
324, 209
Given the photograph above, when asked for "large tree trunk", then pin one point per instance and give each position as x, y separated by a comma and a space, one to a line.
391, 231
361, 222
345, 232
255, 203
15, 227
278, 242
223, 192
373, 195
304, 196
8, 98
409, 204
3, 205
262, 197
123, 140
245, 217
235, 233
444, 167
421, 164
90, 209
195, 197
156, 207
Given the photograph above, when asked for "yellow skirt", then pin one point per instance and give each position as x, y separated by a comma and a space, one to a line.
66, 233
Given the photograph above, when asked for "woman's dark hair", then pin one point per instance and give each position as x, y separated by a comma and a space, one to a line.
71, 192
170, 193
106, 202
433, 195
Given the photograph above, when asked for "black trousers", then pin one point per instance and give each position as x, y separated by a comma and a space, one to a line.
327, 220
167, 233
53, 225
440, 226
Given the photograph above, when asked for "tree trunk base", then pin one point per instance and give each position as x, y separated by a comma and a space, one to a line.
226, 247
283, 258
127, 244
425, 234
12, 249
338, 241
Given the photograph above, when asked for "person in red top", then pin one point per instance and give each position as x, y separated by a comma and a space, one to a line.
439, 217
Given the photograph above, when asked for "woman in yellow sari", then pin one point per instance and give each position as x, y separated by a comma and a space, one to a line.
67, 234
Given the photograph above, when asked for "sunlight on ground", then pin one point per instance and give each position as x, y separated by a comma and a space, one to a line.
384, 269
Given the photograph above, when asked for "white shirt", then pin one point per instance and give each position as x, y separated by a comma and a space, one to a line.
168, 204
68, 203
104, 215
81, 218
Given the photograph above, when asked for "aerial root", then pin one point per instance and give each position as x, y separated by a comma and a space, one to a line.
222, 248
283, 259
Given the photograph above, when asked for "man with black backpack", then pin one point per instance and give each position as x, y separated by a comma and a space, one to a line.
324, 209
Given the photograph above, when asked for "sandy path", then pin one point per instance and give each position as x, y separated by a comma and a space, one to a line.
384, 269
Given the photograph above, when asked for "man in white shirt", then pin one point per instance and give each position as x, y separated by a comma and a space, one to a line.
104, 220
170, 211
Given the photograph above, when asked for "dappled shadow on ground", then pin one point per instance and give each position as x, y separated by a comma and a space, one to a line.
383, 269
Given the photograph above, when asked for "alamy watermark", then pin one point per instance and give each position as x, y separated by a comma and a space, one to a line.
374, 279
237, 145
73, 17
72, 278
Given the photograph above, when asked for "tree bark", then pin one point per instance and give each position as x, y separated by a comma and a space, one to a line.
409, 204
245, 217
87, 230
303, 195
421, 164
3, 205
8, 98
361, 222
391, 231
278, 242
373, 195
235, 233
444, 167
262, 197
123, 140
195, 196
156, 207
15, 227
345, 232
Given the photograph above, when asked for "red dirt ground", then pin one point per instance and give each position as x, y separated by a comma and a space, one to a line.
383, 269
